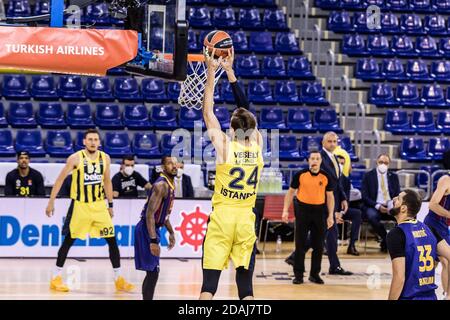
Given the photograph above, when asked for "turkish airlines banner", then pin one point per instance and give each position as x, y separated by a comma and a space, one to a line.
76, 51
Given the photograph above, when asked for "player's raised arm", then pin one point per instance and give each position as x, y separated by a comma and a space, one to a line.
442, 186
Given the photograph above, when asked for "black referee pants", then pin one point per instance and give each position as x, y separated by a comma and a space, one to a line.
309, 218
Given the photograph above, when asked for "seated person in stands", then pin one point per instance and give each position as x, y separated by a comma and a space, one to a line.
126, 181
379, 187
24, 181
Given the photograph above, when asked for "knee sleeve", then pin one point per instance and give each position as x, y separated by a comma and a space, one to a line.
210, 280
114, 253
149, 284
244, 282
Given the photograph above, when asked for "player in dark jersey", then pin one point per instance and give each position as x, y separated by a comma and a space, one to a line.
413, 248
436, 219
155, 215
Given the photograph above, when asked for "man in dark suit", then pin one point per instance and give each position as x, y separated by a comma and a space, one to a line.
379, 187
330, 165
183, 184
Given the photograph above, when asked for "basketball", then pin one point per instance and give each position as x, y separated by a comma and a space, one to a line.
219, 40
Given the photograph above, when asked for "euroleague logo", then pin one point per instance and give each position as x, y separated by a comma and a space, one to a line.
193, 228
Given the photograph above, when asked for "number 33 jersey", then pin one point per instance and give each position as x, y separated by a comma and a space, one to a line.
237, 179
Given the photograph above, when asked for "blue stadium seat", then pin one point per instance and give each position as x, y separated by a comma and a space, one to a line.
393, 70
421, 6
31, 141
422, 122
117, 144
413, 150
3, 122
352, 4
15, 87
346, 143
408, 95
440, 70
247, 66
98, 14
378, 45
264, 3
443, 122
117, 71
189, 117
389, 23
299, 119
272, 118
193, 44
223, 115
261, 42
298, 67
51, 115
286, 92
422, 179
379, 3
287, 43
382, 95
360, 23
199, 17
397, 5
43, 88
289, 148
402, 46
273, 67
127, 90
107, 116
353, 45
312, 93
444, 47
274, 19
435, 25
426, 46
226, 93
367, 69
71, 88
442, 6
340, 21
99, 89
168, 142
78, 144
326, 120
20, 115
79, 116
217, 2
417, 70
224, 18
328, 4
240, 41
135, 117
173, 90
41, 8
310, 143
6, 144
59, 144
433, 96
397, 122
18, 8
356, 178
164, 117
145, 145
260, 91
154, 90
241, 3
437, 147
411, 24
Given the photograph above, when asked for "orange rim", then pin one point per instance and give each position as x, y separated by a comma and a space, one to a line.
190, 57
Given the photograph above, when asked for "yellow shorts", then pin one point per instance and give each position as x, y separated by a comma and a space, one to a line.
89, 218
230, 234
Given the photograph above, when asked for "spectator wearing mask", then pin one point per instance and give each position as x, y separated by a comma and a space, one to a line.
379, 187
183, 184
24, 181
126, 181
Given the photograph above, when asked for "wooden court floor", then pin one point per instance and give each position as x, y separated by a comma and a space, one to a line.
181, 279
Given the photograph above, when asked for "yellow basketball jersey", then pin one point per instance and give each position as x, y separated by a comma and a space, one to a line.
88, 178
237, 179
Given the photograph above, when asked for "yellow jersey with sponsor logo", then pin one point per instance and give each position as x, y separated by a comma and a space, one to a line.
88, 178
237, 179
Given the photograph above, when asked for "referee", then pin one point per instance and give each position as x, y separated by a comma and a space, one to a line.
314, 213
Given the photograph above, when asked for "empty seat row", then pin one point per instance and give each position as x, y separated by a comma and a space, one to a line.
426, 6
421, 122
393, 69
412, 24
400, 46
245, 18
414, 149
258, 42
407, 95
235, 3
422, 179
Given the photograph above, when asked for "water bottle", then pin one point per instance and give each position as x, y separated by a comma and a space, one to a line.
278, 246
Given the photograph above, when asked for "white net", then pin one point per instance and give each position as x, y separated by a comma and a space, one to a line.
191, 94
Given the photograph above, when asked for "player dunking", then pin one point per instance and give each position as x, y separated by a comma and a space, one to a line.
231, 226
88, 212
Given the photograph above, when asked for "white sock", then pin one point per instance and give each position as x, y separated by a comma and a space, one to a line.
116, 273
57, 272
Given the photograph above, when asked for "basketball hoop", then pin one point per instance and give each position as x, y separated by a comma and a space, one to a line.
192, 89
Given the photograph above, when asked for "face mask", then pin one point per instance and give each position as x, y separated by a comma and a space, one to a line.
128, 170
180, 172
382, 168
